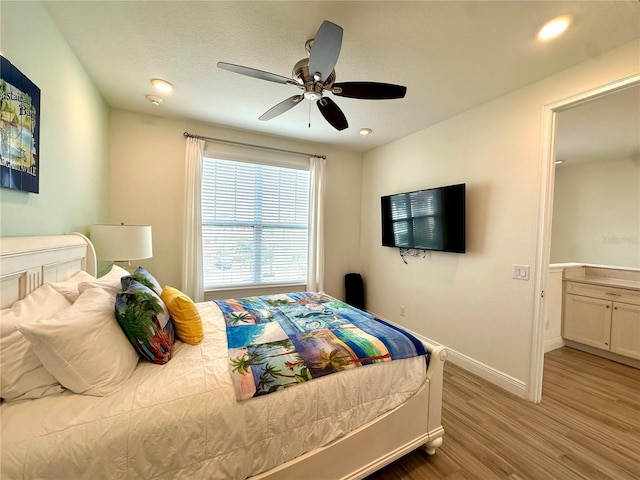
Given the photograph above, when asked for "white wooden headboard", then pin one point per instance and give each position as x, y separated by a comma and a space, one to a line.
28, 262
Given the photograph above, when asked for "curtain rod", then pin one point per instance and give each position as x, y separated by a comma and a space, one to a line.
261, 147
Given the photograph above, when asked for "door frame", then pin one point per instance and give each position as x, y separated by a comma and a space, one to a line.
545, 213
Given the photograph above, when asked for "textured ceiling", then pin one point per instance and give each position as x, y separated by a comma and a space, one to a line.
452, 56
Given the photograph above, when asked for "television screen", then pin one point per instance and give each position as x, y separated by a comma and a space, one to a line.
431, 219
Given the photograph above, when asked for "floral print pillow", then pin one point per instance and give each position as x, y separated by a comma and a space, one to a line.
141, 275
146, 321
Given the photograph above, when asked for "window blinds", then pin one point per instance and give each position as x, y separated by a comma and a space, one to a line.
254, 224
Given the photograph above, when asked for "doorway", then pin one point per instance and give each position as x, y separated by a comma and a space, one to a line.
543, 253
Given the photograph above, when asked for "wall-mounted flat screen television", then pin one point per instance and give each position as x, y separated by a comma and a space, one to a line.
430, 219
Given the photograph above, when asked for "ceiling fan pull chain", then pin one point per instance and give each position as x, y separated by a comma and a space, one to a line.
309, 114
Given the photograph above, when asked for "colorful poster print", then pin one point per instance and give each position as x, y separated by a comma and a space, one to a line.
19, 129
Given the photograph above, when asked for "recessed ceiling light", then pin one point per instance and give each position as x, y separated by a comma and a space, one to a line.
365, 131
161, 85
156, 100
554, 27
558, 162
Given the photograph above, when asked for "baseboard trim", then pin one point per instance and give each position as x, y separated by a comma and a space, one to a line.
632, 362
490, 374
553, 344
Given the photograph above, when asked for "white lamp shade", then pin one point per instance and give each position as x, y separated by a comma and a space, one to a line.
122, 242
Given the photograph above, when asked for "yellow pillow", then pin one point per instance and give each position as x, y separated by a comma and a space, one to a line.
186, 319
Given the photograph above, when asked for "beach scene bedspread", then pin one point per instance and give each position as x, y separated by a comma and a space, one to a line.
278, 341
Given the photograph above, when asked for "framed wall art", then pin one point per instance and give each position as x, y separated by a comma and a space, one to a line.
19, 129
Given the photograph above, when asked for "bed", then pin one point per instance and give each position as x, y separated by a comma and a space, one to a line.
181, 419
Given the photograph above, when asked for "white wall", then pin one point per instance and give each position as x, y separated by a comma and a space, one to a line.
596, 213
553, 310
147, 187
73, 130
470, 302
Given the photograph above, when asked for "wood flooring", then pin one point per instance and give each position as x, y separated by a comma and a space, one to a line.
586, 427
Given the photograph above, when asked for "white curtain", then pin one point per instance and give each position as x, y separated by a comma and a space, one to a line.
192, 274
315, 270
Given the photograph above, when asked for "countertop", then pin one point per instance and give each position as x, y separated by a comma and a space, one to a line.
606, 282
606, 277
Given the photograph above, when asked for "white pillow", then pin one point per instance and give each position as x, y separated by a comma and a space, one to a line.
83, 346
22, 374
110, 281
69, 287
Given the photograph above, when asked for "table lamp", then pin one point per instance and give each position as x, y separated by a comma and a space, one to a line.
122, 243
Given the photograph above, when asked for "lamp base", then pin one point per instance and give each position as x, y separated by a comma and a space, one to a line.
126, 265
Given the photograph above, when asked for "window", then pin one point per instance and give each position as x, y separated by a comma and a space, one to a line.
254, 224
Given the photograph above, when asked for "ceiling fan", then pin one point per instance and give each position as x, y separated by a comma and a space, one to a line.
316, 75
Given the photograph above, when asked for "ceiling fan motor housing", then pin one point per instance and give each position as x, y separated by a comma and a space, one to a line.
312, 89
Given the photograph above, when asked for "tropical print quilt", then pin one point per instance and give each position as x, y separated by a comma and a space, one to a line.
278, 341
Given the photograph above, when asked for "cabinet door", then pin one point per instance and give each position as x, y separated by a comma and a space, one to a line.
625, 330
587, 320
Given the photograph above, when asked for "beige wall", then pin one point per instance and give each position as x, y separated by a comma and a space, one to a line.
596, 213
73, 130
147, 171
470, 302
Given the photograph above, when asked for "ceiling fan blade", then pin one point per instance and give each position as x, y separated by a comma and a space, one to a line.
369, 90
252, 72
332, 113
325, 50
282, 107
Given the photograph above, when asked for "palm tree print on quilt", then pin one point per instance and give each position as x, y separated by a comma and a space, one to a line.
279, 341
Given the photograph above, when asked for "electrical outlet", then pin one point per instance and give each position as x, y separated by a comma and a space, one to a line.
402, 310
520, 272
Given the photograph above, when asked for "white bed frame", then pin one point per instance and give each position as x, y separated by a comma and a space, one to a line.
28, 262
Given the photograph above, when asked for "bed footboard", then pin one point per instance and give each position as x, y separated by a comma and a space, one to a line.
435, 376
416, 423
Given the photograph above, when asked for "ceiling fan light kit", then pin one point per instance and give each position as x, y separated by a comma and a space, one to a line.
316, 75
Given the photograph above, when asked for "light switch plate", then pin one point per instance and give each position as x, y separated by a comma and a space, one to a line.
520, 272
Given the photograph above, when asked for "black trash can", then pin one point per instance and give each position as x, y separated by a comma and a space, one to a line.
354, 290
